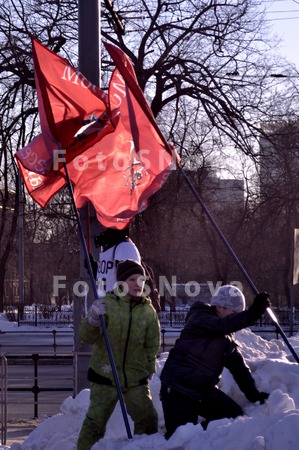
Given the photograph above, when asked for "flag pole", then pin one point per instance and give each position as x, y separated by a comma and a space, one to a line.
94, 287
252, 285
89, 63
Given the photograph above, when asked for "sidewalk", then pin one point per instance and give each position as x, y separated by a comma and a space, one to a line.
18, 432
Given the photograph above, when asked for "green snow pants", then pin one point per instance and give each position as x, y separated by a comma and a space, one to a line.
103, 400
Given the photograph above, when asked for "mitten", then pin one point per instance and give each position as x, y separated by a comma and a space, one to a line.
97, 309
259, 305
257, 396
262, 397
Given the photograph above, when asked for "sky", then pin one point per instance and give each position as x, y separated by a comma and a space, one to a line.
283, 16
272, 426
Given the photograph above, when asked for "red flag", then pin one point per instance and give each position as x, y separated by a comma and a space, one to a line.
127, 166
40, 187
67, 101
125, 67
117, 172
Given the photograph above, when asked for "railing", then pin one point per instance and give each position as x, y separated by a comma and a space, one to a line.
169, 336
287, 318
22, 380
53, 340
173, 319
37, 315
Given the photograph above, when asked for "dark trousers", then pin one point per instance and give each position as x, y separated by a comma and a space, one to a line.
180, 409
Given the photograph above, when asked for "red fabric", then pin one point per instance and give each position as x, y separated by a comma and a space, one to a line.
65, 100
125, 67
126, 167
118, 165
41, 188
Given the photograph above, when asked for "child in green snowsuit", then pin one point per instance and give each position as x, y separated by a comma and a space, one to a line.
134, 333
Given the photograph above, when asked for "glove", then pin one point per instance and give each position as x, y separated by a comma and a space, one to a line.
262, 397
94, 265
258, 397
97, 309
259, 305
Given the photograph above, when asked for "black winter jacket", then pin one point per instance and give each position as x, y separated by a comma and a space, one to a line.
206, 345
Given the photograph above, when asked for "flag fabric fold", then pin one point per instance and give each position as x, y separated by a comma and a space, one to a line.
115, 153
125, 67
131, 164
40, 187
73, 115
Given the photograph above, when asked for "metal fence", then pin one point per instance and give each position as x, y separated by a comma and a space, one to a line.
37, 315
286, 318
33, 386
52, 341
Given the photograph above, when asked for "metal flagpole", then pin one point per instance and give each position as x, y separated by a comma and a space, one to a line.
253, 287
21, 244
89, 65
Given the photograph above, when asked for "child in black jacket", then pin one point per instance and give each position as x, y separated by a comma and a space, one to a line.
206, 345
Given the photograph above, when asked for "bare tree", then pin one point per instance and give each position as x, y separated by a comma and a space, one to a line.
18, 107
204, 67
213, 53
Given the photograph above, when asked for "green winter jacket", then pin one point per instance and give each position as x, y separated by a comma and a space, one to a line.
134, 334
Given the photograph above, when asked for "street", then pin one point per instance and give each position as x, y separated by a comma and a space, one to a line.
31, 395
20, 342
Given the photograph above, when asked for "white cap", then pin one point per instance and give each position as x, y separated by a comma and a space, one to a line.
229, 297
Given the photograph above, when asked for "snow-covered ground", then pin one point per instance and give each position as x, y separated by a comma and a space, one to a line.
272, 426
